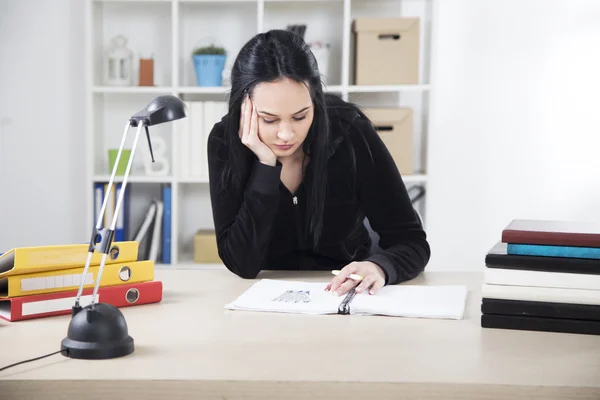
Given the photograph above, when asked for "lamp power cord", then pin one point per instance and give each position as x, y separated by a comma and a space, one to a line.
33, 359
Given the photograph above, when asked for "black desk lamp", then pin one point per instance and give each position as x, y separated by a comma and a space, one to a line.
99, 330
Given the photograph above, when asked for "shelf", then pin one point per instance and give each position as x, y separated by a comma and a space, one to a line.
167, 179
170, 30
334, 88
218, 1
225, 89
201, 179
416, 178
303, 1
386, 88
132, 89
132, 1
200, 23
135, 179
213, 1
203, 90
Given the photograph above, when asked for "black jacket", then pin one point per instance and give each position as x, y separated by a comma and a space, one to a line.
262, 227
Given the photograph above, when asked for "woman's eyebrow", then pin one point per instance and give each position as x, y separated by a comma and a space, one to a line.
275, 115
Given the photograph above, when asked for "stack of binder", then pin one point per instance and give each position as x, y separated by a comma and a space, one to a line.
544, 276
43, 281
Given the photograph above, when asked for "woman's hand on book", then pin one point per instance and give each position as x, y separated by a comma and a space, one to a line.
248, 132
373, 278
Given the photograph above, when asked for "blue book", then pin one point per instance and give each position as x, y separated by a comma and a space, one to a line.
166, 228
553, 251
98, 199
121, 227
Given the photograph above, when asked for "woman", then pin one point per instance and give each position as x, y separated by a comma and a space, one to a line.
294, 172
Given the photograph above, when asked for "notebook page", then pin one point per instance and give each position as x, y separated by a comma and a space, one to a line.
442, 302
288, 297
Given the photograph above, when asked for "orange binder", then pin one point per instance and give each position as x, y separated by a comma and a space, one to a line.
53, 304
27, 260
70, 279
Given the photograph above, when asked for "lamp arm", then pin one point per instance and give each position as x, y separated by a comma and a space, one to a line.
113, 224
103, 237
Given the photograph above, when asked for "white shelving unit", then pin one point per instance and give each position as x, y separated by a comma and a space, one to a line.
169, 30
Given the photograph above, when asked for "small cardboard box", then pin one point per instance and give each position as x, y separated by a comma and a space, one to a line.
386, 51
205, 248
395, 127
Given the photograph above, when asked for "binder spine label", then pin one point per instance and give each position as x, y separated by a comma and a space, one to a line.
53, 282
344, 307
55, 305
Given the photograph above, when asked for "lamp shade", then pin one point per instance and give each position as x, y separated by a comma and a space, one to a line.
161, 109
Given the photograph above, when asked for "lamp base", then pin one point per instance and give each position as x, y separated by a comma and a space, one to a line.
97, 331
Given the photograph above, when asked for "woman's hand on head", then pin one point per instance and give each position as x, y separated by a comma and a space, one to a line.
249, 133
373, 278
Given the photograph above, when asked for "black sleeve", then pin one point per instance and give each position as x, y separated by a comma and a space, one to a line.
243, 221
404, 248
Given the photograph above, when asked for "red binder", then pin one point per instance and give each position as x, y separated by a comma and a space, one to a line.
60, 303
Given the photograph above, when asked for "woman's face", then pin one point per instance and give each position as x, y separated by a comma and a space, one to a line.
285, 114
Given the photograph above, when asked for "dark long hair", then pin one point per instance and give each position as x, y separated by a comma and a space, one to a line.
268, 57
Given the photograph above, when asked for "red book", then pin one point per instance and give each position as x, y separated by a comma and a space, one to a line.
555, 233
60, 303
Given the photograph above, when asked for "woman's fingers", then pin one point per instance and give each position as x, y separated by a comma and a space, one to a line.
342, 276
253, 124
247, 114
344, 287
242, 108
366, 283
376, 286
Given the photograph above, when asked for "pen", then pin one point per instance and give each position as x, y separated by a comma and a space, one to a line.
351, 276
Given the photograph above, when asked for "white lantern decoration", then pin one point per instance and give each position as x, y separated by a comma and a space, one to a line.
119, 63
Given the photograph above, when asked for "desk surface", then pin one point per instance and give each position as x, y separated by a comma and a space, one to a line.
192, 341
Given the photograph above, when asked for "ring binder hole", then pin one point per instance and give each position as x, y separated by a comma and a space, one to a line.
125, 274
392, 36
114, 252
132, 295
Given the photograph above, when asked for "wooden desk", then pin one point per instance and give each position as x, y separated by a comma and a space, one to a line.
189, 346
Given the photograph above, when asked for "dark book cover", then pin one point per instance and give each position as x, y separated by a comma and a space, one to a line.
540, 309
540, 324
497, 257
557, 233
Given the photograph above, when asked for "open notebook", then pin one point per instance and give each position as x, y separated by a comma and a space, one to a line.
444, 302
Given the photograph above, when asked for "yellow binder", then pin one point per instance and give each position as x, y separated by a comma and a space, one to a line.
69, 279
27, 260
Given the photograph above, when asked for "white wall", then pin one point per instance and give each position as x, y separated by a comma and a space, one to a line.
41, 106
515, 121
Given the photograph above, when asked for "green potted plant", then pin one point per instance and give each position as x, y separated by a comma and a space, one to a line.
209, 62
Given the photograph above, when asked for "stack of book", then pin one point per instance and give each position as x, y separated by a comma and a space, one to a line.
43, 281
544, 276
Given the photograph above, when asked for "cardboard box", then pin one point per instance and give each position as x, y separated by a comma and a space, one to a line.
395, 127
386, 51
205, 248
